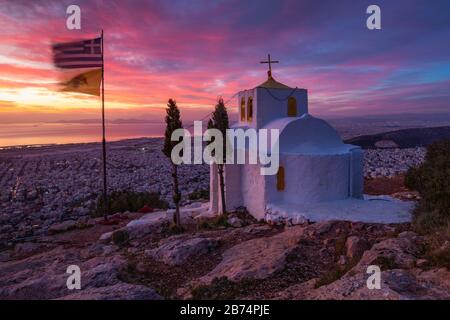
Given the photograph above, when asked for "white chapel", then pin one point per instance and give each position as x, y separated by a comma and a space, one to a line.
314, 164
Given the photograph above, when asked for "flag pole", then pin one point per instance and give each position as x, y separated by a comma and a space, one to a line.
105, 188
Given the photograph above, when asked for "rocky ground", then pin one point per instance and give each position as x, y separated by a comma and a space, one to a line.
44, 187
46, 226
41, 187
231, 257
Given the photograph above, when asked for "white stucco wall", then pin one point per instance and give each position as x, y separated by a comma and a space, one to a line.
253, 190
266, 108
357, 173
311, 178
270, 108
233, 194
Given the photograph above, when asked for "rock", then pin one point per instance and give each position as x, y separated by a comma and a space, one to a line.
101, 271
108, 250
421, 263
356, 247
62, 227
40, 276
5, 256
44, 286
343, 260
435, 280
106, 237
195, 205
176, 251
119, 291
298, 219
407, 235
235, 222
189, 214
205, 215
392, 253
400, 279
396, 284
6, 228
27, 248
318, 229
149, 223
83, 221
256, 258
254, 229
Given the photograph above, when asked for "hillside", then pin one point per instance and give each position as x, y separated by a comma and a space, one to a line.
227, 257
405, 138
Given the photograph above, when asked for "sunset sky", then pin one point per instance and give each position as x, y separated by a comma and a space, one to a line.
194, 51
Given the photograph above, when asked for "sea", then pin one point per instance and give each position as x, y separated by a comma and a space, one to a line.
13, 134
42, 133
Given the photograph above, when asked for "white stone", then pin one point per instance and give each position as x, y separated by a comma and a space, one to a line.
177, 251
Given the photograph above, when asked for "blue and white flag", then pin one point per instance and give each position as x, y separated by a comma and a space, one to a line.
78, 54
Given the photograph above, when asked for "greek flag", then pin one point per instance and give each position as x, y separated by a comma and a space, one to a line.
78, 54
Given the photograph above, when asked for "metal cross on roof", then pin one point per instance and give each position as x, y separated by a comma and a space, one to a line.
270, 64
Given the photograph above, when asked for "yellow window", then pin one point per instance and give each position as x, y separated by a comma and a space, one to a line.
250, 109
280, 179
292, 107
243, 109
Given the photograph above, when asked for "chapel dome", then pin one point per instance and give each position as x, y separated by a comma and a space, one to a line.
307, 135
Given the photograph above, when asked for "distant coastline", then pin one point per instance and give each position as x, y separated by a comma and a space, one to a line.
44, 134
73, 144
84, 131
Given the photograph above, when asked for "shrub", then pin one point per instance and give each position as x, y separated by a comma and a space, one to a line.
339, 247
121, 201
204, 225
432, 212
440, 256
330, 276
220, 221
223, 289
176, 229
432, 181
385, 262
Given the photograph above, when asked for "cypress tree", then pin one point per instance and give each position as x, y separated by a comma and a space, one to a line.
173, 122
220, 121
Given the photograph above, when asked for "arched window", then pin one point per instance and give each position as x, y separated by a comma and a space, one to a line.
250, 109
243, 109
292, 107
280, 179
